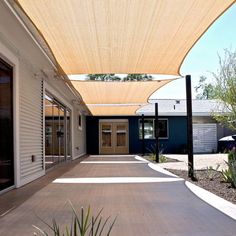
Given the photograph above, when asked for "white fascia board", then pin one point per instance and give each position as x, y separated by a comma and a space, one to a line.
178, 113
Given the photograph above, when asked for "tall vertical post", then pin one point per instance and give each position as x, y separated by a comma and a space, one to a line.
143, 141
156, 132
189, 127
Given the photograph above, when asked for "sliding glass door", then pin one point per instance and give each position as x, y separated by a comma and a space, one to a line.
57, 132
6, 126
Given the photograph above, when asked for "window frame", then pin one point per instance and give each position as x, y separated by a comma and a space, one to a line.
80, 121
153, 122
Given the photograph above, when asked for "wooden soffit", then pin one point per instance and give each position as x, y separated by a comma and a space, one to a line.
122, 36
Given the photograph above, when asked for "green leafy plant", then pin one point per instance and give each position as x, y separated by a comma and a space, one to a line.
162, 158
83, 224
226, 175
229, 175
232, 155
211, 171
232, 169
152, 156
114, 77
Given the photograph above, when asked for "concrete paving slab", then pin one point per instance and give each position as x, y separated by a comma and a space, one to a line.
151, 208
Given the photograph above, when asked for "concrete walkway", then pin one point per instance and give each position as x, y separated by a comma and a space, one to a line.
201, 161
147, 202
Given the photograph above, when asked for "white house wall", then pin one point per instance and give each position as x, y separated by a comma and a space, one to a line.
28, 61
31, 126
79, 135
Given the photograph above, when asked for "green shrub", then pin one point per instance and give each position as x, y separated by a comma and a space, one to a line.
82, 224
232, 169
211, 171
152, 150
162, 158
232, 156
229, 175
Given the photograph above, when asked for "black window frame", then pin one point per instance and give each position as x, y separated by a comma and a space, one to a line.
153, 132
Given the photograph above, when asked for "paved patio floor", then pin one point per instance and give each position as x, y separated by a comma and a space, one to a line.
147, 202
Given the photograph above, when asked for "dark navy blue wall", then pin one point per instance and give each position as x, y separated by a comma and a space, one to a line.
92, 134
176, 142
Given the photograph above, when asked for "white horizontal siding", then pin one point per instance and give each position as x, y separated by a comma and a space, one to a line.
31, 125
204, 138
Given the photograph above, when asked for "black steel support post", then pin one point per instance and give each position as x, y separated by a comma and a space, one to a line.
143, 141
189, 127
156, 132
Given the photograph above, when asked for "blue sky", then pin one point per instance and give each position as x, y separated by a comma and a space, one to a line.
203, 58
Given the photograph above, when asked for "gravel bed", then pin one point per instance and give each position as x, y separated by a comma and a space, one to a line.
212, 182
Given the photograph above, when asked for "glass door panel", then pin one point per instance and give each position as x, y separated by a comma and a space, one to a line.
56, 133
48, 132
106, 135
68, 134
121, 138
106, 138
6, 126
61, 134
121, 135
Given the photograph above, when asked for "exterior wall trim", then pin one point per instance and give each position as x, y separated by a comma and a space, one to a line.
44, 165
113, 120
29, 33
178, 114
32, 178
12, 59
7, 189
80, 155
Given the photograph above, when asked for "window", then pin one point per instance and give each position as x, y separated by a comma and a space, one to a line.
57, 131
80, 122
149, 128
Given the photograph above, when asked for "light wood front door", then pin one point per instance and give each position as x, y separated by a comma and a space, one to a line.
113, 138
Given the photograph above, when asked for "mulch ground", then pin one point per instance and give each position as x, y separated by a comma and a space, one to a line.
212, 182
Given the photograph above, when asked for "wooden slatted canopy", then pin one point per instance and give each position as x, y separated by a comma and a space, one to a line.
117, 98
121, 36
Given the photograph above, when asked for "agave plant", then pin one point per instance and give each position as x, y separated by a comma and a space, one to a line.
211, 171
83, 224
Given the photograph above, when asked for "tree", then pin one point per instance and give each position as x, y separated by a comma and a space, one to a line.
103, 77
114, 77
138, 77
205, 90
225, 89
